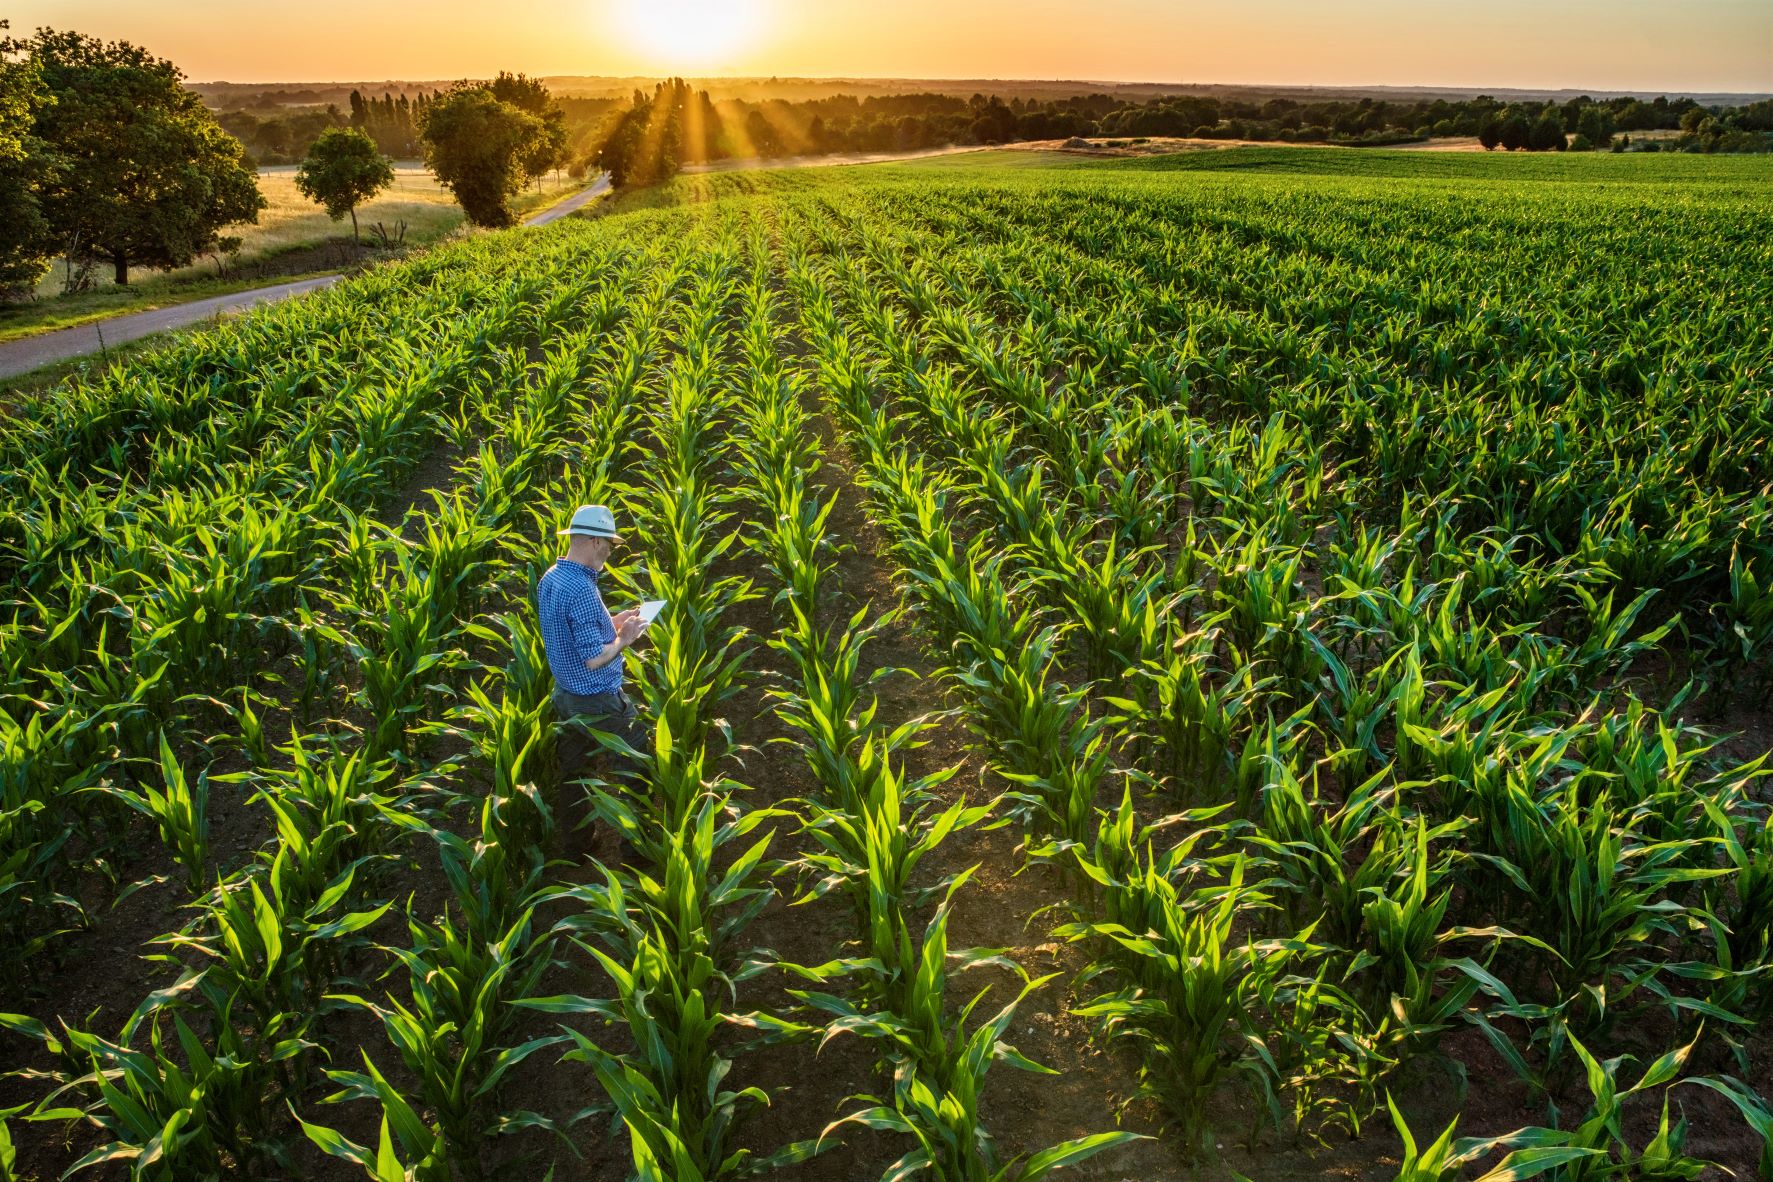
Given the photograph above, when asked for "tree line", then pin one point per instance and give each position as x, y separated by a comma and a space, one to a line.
392, 122
905, 122
1578, 123
675, 125
657, 133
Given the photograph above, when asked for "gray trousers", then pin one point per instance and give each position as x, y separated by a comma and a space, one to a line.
579, 715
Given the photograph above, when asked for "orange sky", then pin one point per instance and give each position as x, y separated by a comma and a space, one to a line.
1702, 45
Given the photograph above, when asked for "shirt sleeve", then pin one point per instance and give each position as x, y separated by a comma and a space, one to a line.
591, 621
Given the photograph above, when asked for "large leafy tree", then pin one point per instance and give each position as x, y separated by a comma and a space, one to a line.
26, 243
149, 177
548, 150
478, 146
343, 170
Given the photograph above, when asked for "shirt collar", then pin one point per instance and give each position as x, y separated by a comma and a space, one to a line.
595, 575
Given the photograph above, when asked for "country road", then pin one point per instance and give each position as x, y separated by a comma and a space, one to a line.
23, 356
30, 353
576, 202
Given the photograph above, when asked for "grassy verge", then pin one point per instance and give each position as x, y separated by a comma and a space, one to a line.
103, 303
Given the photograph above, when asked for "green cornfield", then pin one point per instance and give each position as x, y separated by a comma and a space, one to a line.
1251, 664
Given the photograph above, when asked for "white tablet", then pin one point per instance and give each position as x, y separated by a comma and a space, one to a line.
649, 611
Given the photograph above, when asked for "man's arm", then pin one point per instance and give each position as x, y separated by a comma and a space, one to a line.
628, 628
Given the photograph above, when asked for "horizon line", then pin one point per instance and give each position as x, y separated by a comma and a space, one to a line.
1629, 91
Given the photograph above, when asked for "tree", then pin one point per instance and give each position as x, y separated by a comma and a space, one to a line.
1490, 133
1596, 123
646, 144
993, 123
148, 177
477, 145
1515, 131
1547, 134
762, 136
528, 94
342, 171
26, 243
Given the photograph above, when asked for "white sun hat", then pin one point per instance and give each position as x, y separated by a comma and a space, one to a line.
593, 521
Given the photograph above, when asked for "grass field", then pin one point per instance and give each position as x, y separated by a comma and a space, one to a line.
1201, 668
292, 239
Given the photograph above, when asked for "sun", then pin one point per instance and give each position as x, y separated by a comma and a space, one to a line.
691, 32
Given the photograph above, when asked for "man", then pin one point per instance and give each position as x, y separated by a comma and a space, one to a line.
585, 643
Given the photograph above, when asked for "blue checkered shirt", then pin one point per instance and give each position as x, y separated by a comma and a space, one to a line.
575, 627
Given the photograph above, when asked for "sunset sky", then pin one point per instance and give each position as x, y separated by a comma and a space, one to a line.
1703, 45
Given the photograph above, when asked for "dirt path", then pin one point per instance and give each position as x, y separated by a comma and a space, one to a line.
577, 201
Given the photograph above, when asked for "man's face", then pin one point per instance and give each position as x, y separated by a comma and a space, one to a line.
599, 551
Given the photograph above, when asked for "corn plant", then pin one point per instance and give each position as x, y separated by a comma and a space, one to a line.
423, 1147
870, 847
939, 1070
1599, 1146
180, 810
1445, 1160
1754, 1111
449, 1037
1182, 982
176, 1109
1740, 907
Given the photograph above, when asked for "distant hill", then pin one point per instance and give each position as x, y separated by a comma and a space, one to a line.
243, 95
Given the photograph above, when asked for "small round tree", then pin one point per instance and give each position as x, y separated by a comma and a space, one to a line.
342, 171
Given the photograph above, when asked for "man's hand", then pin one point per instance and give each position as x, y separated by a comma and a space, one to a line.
629, 626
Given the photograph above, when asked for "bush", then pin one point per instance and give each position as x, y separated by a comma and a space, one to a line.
1581, 144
